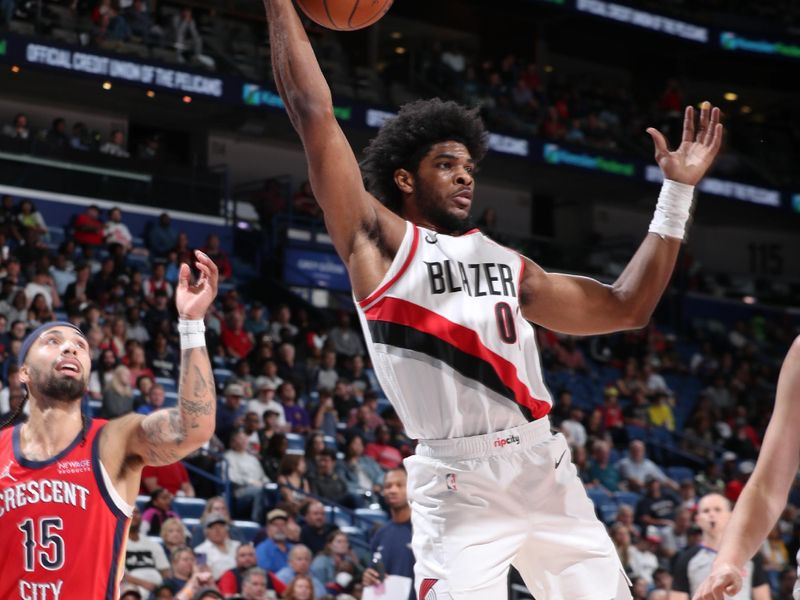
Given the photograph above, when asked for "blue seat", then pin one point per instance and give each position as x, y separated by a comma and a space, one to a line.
636, 433
371, 515
605, 506
296, 441
330, 442
629, 498
249, 529
188, 507
679, 473
168, 383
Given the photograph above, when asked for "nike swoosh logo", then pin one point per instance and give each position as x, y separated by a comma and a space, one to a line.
560, 458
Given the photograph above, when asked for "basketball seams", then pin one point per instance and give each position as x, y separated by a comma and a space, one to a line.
353, 13
382, 10
328, 12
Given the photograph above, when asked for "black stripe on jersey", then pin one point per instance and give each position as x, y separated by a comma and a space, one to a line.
471, 367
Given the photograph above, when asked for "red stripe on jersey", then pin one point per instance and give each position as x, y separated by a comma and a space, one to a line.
403, 312
425, 587
382, 290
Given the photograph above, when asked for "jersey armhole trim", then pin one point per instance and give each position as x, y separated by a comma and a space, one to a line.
385, 287
111, 496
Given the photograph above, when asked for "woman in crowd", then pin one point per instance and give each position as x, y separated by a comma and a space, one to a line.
300, 588
292, 473
173, 535
156, 511
362, 475
337, 556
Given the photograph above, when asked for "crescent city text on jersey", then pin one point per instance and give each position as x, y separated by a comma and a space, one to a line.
473, 279
52, 491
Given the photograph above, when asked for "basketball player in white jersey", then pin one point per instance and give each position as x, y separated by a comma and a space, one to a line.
763, 498
446, 314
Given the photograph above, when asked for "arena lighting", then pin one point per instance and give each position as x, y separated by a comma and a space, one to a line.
15, 69
396, 35
187, 99
549, 68
400, 50
151, 94
749, 300
745, 109
106, 85
731, 96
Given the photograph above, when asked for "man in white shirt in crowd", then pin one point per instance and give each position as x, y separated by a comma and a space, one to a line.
636, 468
247, 474
146, 563
219, 549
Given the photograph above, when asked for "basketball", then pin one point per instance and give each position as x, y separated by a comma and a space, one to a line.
345, 15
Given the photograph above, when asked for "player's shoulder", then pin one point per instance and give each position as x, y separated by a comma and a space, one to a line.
685, 556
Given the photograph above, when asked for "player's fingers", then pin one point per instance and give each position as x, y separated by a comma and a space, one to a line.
705, 117
688, 125
712, 125
659, 141
205, 271
184, 275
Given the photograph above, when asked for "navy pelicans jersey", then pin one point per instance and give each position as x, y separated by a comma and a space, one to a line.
63, 527
447, 338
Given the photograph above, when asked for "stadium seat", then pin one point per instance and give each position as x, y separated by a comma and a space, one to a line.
605, 506
296, 441
188, 507
248, 528
636, 433
371, 515
141, 500
330, 442
335, 515
629, 498
168, 383
679, 473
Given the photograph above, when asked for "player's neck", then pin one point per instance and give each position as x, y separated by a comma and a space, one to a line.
49, 430
711, 542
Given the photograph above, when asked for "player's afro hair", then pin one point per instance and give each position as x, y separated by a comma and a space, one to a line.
404, 140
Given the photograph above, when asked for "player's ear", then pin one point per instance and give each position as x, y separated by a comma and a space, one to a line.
23, 375
404, 180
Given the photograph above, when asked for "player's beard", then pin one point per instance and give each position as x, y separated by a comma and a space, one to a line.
53, 387
432, 209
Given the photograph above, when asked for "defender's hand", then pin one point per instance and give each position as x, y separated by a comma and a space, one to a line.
192, 301
724, 580
689, 163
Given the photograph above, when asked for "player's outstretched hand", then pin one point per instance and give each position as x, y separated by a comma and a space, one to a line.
193, 300
724, 580
699, 146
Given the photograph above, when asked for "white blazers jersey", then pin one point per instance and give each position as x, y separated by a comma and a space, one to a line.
447, 338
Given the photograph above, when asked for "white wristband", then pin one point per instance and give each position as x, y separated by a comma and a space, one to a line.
673, 209
192, 333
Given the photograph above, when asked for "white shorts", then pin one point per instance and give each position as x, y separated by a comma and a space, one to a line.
482, 503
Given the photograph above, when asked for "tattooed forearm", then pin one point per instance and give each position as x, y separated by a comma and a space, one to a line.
169, 435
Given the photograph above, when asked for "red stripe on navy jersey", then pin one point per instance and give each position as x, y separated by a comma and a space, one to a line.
403, 312
382, 290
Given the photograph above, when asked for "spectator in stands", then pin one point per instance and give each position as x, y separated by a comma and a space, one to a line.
188, 43
315, 443
602, 472
18, 128
183, 565
621, 538
735, 486
293, 481
173, 536
29, 218
117, 232
135, 328
687, 495
327, 483
273, 553
161, 237
163, 359
391, 544
79, 139
237, 341
265, 401
362, 475
76, 292
146, 564
326, 375
255, 583
625, 517
641, 556
381, 450
257, 321
173, 477
315, 530
282, 322
337, 556
230, 583
230, 412
42, 283
157, 510
659, 413
301, 588
708, 480
248, 477
62, 274
216, 505
118, 396
656, 508
297, 418
141, 23
300, 564
346, 340
155, 400
39, 312
252, 428
219, 548
273, 453
13, 400
115, 146
88, 228
213, 249
573, 428
325, 417
676, 538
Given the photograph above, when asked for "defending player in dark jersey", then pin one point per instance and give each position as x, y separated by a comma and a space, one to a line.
68, 483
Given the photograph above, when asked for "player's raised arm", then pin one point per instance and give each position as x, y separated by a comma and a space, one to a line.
352, 215
583, 306
167, 435
764, 496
